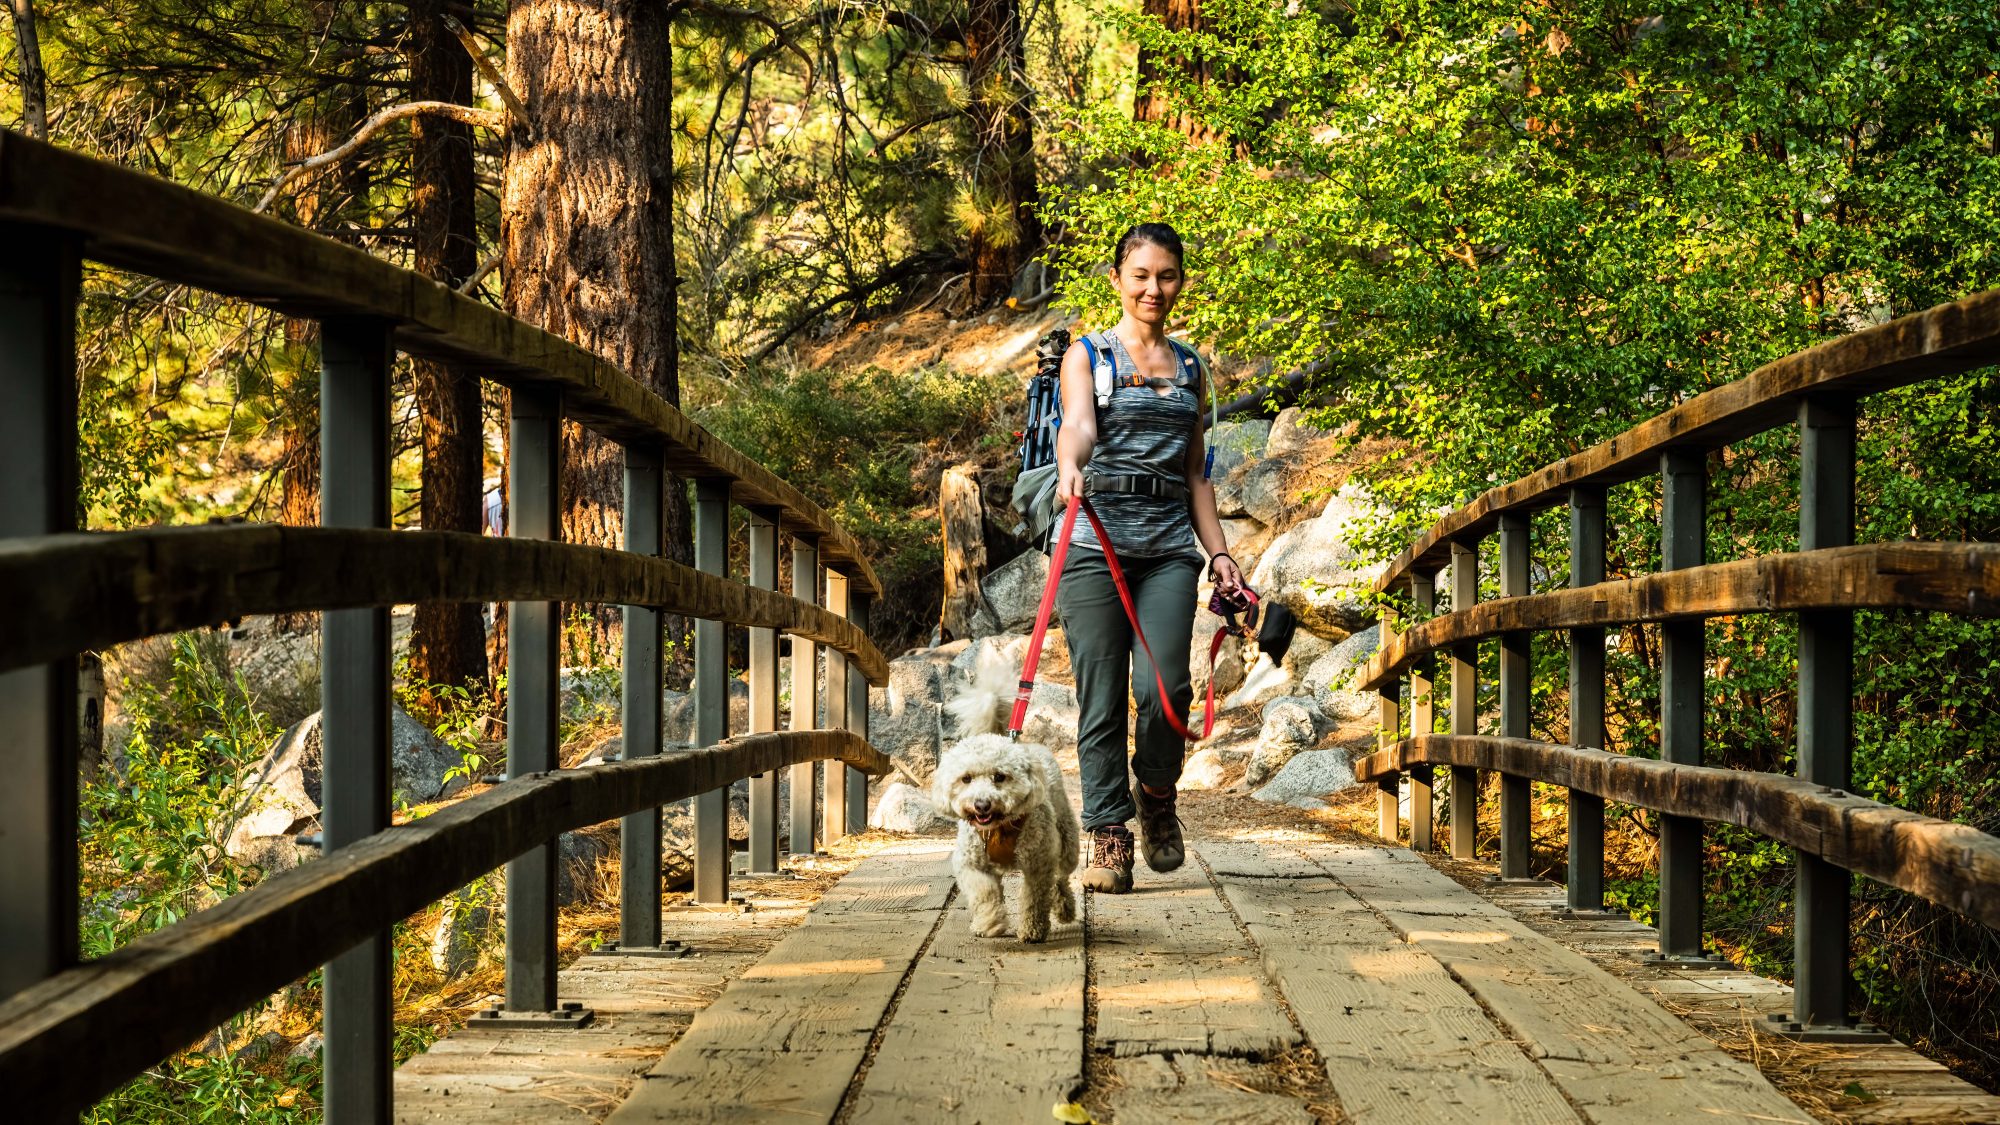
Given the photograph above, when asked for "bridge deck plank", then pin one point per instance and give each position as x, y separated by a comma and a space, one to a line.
1174, 975
1616, 1055
786, 1038
1401, 1041
987, 1030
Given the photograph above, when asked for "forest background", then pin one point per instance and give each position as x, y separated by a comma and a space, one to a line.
1483, 236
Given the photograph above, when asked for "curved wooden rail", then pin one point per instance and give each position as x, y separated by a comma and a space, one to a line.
135, 221
1950, 864
1954, 337
1961, 578
165, 990
92, 590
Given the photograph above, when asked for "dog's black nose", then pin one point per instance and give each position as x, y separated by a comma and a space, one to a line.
982, 807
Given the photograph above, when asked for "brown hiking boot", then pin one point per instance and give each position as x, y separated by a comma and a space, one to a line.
1159, 830
1110, 867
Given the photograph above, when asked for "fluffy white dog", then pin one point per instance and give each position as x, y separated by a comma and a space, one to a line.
1012, 815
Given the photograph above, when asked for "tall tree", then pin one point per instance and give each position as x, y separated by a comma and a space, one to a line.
1008, 230
587, 224
1160, 67
447, 639
34, 85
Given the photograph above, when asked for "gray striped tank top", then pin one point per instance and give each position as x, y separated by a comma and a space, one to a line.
1141, 432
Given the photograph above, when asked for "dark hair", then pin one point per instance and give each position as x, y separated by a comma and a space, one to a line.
1159, 234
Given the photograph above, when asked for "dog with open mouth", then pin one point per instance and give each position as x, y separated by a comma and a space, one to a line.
1013, 814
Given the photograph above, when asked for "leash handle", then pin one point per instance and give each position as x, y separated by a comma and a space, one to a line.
1033, 659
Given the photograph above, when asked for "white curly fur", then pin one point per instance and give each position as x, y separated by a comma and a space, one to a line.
986, 780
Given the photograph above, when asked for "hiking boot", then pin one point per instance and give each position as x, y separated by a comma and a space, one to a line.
1110, 867
1159, 830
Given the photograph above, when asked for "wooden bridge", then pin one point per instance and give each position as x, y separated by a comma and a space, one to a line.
1289, 972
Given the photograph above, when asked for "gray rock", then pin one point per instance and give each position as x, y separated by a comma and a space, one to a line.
461, 930
1308, 777
1290, 433
1212, 767
1331, 677
1291, 725
1314, 570
1260, 487
1236, 442
1307, 646
1264, 681
910, 732
1228, 662
1051, 719
677, 714
1013, 590
905, 809
308, 1048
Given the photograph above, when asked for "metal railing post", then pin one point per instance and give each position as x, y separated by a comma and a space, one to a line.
1515, 793
1586, 701
833, 802
1389, 721
533, 637
805, 699
1683, 543
1464, 702
39, 279
857, 717
1423, 720
711, 693
1820, 923
763, 676
639, 708
355, 360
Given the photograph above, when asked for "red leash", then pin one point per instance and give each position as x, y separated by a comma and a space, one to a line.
1042, 615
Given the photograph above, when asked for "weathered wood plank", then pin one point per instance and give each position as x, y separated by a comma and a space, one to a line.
198, 972
1402, 1042
1616, 1055
1962, 578
1174, 975
988, 1031
94, 590
1953, 865
785, 1039
1959, 336
140, 222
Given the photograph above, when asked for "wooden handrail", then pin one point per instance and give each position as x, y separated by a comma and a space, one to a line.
93, 590
71, 1039
1954, 337
1953, 865
1961, 578
135, 221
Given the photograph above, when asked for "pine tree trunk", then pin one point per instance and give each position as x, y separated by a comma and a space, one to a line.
587, 220
447, 640
1177, 15
1004, 133
34, 82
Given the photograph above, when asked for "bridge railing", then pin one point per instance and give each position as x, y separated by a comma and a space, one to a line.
72, 1031
1832, 831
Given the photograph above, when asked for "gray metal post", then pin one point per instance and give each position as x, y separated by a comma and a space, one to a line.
1389, 722
533, 636
833, 804
1586, 701
711, 694
39, 276
355, 359
1683, 543
857, 718
1423, 720
763, 675
805, 699
1464, 702
1826, 695
639, 708
1515, 805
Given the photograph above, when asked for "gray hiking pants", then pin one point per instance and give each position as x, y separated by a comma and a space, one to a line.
1111, 668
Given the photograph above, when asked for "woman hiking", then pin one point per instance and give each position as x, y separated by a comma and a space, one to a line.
1139, 455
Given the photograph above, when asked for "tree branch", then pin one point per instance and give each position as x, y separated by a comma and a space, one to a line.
916, 265
514, 104
481, 118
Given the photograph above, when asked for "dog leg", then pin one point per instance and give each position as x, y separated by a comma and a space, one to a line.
1038, 899
987, 901
1065, 899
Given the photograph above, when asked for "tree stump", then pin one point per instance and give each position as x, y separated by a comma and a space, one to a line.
966, 613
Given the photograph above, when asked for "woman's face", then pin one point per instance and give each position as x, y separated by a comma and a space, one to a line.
1148, 283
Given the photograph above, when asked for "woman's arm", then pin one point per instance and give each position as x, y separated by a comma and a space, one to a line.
1201, 508
1077, 438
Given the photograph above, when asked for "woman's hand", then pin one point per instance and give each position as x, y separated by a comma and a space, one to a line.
1069, 483
1228, 577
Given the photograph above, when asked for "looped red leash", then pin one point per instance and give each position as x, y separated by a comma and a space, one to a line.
1047, 609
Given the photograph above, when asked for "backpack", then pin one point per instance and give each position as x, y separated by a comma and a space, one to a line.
1035, 487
